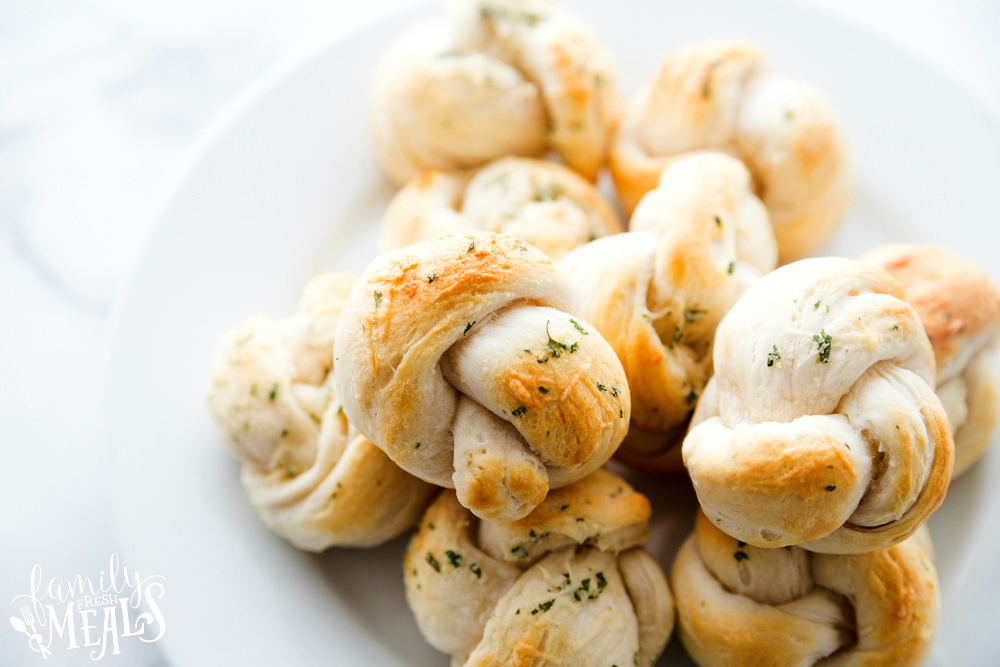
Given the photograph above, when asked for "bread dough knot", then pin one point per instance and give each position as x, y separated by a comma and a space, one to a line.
493, 78
820, 426
568, 584
737, 602
466, 360
657, 294
721, 94
312, 478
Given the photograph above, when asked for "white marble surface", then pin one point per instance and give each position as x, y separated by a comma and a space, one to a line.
99, 103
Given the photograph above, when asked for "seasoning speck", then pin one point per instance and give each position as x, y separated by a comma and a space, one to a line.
433, 562
824, 342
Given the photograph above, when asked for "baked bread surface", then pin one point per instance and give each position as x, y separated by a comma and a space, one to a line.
539, 202
658, 293
466, 360
742, 606
312, 478
721, 94
568, 584
493, 78
821, 427
959, 306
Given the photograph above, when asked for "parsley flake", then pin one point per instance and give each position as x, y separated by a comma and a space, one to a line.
433, 562
555, 348
823, 342
693, 314
773, 356
544, 606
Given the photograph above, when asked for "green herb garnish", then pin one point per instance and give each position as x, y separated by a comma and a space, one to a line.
823, 342
693, 314
545, 606
433, 562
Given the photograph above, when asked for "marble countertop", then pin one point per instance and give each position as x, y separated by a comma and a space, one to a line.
99, 103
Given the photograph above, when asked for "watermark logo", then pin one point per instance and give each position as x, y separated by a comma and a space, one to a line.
66, 615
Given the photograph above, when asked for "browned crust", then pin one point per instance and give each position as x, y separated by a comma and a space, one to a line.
895, 591
602, 496
956, 299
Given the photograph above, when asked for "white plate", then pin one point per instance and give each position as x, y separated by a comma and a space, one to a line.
290, 187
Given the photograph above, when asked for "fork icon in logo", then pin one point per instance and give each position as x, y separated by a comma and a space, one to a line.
34, 639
